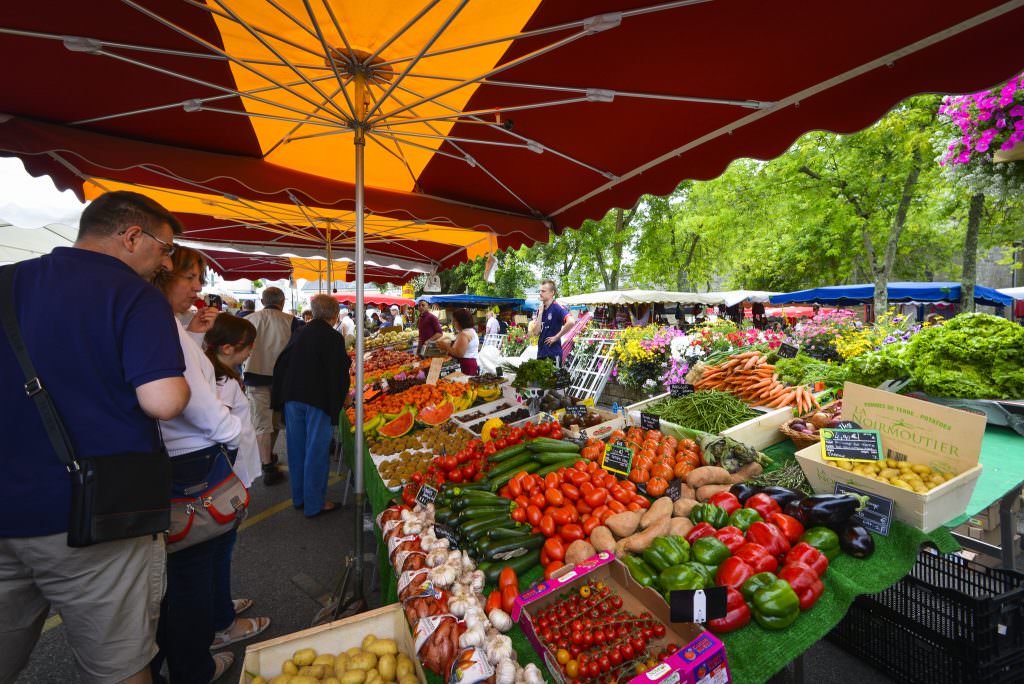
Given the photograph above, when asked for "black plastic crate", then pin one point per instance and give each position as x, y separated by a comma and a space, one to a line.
949, 620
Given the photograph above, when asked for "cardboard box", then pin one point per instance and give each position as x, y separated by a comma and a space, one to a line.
702, 659
948, 440
267, 657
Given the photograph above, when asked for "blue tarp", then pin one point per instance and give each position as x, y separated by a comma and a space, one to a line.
471, 301
534, 304
898, 292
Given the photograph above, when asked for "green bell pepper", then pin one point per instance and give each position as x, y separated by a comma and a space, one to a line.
709, 513
744, 518
755, 582
681, 544
776, 605
662, 554
823, 539
707, 572
642, 573
679, 577
709, 551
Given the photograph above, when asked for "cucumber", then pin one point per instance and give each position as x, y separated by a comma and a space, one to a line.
504, 478
493, 549
549, 457
508, 532
492, 570
510, 464
568, 463
507, 453
546, 444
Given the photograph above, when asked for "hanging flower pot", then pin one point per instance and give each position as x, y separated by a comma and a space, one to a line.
1015, 153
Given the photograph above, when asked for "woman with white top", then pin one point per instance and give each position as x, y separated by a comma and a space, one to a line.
466, 345
196, 441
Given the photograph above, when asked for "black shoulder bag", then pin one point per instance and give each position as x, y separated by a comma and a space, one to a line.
119, 496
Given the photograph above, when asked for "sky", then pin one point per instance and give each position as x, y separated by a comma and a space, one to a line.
29, 202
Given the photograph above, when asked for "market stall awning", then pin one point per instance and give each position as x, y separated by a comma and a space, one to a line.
898, 292
470, 301
378, 299
637, 297
731, 297
1015, 292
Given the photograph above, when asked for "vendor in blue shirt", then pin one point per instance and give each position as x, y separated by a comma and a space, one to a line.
551, 323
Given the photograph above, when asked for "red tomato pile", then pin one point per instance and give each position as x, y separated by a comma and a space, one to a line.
568, 504
595, 640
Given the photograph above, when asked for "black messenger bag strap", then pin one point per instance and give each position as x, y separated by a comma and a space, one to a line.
33, 385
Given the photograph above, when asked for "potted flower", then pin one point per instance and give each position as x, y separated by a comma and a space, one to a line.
989, 121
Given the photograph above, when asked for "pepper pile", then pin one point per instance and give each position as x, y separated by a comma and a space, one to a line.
594, 639
771, 561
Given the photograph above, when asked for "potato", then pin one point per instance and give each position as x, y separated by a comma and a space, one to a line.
381, 647
896, 482
313, 671
623, 524
373, 677
340, 664
353, 652
354, 677
404, 667
707, 491
661, 508
408, 679
844, 464
325, 659
602, 539
289, 668
639, 542
303, 657
387, 665
363, 661
258, 680
680, 527
281, 679
303, 679
889, 472
751, 470
330, 680
368, 639
708, 475
921, 469
682, 507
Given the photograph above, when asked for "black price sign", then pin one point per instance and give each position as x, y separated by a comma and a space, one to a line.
426, 495
677, 391
649, 421
445, 532
578, 411
618, 458
788, 351
853, 445
877, 515
847, 425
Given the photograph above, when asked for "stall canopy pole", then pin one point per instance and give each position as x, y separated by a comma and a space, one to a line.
360, 147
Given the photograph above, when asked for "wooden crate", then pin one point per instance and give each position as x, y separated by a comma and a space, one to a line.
267, 657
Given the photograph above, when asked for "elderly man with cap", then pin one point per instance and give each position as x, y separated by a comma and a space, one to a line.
346, 326
398, 319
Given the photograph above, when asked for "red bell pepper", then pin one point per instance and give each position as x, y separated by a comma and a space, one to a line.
726, 501
737, 615
809, 556
792, 528
733, 572
763, 504
700, 530
770, 537
805, 583
731, 537
757, 557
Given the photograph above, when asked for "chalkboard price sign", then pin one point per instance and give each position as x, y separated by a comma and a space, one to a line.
680, 390
578, 411
877, 515
649, 421
618, 458
788, 351
854, 445
426, 495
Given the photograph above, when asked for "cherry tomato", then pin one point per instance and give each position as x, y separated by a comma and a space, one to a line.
531, 430
490, 449
572, 669
501, 444
615, 656
627, 651
544, 428
556, 432
659, 630
455, 476
604, 663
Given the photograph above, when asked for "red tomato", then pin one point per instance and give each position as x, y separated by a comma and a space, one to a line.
642, 502
547, 526
533, 515
590, 523
518, 514
515, 488
455, 476
555, 548
570, 491
554, 496
556, 432
621, 494
490, 449
571, 533
493, 601
531, 430
551, 481
545, 428
501, 444
508, 598
582, 508
633, 506
508, 578
561, 516
537, 499
552, 567
596, 497
616, 506
522, 501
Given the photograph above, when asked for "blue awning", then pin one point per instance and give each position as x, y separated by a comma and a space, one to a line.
898, 292
470, 301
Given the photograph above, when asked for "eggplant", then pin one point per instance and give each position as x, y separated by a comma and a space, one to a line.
856, 540
829, 509
743, 491
793, 509
782, 495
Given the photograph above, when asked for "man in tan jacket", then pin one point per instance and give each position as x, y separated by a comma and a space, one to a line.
273, 330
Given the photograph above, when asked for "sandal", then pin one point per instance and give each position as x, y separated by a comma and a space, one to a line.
254, 626
241, 605
329, 507
222, 662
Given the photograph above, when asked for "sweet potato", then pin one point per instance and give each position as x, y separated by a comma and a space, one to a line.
602, 539
579, 550
682, 507
708, 475
747, 472
707, 491
680, 527
639, 542
661, 508
686, 491
623, 524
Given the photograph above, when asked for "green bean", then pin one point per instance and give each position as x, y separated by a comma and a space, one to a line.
708, 410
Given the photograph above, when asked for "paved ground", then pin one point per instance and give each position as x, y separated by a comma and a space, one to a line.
285, 562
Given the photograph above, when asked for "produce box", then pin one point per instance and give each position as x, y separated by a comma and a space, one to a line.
266, 658
701, 657
948, 440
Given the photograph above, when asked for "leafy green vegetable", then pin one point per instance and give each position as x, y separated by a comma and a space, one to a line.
535, 372
707, 410
806, 370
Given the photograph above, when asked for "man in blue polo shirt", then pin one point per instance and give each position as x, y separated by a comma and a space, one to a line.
551, 323
112, 363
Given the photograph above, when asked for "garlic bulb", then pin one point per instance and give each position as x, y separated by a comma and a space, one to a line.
458, 605
442, 575
532, 675
468, 565
436, 557
455, 559
412, 526
505, 672
500, 619
472, 637
476, 581
499, 647
475, 617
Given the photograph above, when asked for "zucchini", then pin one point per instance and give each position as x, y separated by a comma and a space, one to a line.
492, 570
510, 464
477, 486
568, 463
498, 549
465, 500
442, 513
483, 523
507, 453
549, 457
508, 532
481, 532
547, 444
469, 514
505, 477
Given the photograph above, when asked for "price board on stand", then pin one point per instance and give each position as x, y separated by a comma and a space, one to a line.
680, 390
618, 458
853, 445
787, 351
649, 421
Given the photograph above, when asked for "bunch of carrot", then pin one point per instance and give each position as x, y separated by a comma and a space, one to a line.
750, 377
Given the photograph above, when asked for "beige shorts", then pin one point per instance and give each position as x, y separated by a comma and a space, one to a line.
108, 597
264, 419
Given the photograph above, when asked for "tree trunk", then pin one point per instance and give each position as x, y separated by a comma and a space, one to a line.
883, 270
970, 273
682, 274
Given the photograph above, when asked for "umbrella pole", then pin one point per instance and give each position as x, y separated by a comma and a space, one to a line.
360, 490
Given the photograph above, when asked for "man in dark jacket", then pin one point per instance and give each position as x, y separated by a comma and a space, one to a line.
311, 385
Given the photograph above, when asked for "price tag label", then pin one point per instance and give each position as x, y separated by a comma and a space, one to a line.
426, 495
649, 421
698, 605
448, 369
618, 458
578, 411
680, 390
434, 374
847, 425
877, 515
788, 351
854, 445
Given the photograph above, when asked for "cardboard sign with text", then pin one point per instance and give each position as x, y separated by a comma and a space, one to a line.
947, 439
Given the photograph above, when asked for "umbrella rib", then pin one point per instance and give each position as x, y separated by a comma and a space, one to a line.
327, 56
298, 46
288, 137
409, 24
442, 136
284, 61
408, 69
397, 153
341, 32
493, 110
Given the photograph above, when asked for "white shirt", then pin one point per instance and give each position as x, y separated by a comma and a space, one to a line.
473, 347
347, 326
206, 420
493, 327
399, 321
247, 463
